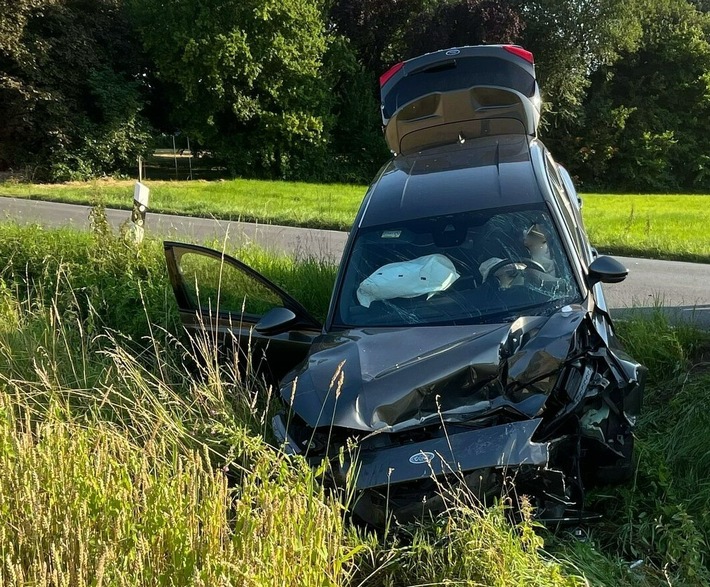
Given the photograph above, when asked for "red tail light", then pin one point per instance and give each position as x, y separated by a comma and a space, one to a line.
520, 52
385, 77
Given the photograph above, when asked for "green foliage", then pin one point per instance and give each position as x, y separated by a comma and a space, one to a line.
664, 349
306, 278
112, 283
662, 518
242, 77
68, 102
356, 148
463, 22
111, 279
377, 28
647, 116
471, 546
570, 39
273, 202
287, 88
122, 484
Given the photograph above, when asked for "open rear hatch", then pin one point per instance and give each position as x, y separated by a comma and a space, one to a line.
458, 94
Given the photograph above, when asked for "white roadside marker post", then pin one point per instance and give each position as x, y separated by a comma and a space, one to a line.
141, 194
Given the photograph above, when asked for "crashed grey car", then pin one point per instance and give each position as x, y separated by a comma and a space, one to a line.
468, 341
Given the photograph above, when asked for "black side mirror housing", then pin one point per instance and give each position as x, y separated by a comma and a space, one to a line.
275, 321
606, 270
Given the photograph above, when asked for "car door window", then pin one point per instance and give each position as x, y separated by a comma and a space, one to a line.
212, 285
209, 282
565, 206
221, 296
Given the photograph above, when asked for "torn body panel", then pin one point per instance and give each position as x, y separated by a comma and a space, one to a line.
536, 394
395, 379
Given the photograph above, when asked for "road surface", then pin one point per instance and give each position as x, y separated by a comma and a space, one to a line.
683, 289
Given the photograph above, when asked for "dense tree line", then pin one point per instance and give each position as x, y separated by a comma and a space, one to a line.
288, 88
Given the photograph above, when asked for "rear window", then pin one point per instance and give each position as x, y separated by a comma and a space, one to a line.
459, 74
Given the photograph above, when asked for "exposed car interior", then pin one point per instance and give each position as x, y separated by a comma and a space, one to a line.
389, 262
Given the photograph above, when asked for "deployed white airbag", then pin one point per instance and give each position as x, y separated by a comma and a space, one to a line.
408, 279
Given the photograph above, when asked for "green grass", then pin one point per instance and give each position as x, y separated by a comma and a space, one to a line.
663, 517
124, 483
119, 468
655, 226
113, 455
273, 202
123, 286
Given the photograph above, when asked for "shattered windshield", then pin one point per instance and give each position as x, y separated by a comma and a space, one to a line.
482, 266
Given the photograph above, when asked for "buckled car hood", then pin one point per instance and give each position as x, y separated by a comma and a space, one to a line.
395, 379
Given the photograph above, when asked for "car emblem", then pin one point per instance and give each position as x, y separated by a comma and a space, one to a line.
421, 458
453, 52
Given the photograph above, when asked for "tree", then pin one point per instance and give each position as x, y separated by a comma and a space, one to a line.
243, 76
70, 95
376, 28
571, 39
648, 115
356, 145
464, 22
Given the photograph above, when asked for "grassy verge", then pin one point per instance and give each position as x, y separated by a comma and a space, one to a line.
116, 473
659, 525
125, 468
125, 287
653, 226
118, 465
273, 202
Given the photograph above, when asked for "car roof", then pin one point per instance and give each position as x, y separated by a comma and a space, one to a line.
487, 172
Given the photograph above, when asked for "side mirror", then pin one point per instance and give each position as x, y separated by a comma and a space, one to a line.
606, 270
275, 321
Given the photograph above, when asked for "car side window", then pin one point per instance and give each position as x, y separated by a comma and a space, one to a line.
216, 286
565, 205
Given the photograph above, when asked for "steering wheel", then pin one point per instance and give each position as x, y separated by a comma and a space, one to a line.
532, 264
527, 263
491, 276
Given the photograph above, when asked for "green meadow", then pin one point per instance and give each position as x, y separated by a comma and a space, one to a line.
658, 226
273, 202
662, 226
129, 456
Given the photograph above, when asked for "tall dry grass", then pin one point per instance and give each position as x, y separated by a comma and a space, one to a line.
120, 467
144, 476
141, 460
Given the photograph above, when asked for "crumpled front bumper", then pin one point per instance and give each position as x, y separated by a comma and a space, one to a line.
506, 445
409, 480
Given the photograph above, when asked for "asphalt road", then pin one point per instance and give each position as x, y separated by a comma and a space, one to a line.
683, 289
